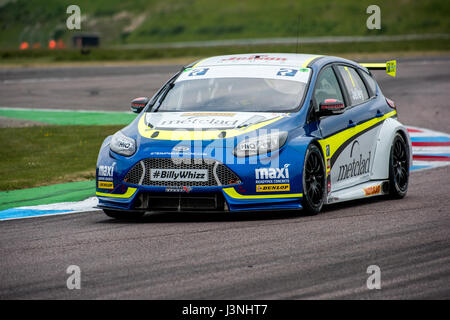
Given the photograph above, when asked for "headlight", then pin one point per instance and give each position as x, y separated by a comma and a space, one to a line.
262, 144
122, 144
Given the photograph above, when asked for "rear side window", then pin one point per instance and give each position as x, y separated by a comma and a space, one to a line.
354, 84
327, 87
370, 82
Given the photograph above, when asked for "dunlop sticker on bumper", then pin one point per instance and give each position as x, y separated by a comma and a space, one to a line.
272, 187
105, 185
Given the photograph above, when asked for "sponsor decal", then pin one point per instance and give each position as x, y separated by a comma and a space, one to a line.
328, 164
328, 150
199, 175
105, 185
357, 94
391, 67
272, 175
359, 166
175, 153
355, 168
179, 189
244, 68
262, 57
200, 121
217, 114
106, 171
241, 189
181, 148
198, 72
272, 187
285, 72
370, 191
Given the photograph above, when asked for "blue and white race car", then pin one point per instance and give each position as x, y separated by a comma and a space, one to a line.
257, 132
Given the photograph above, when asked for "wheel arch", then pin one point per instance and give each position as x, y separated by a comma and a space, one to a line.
390, 127
301, 144
308, 204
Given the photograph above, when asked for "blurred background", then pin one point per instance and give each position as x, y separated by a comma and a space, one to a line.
62, 90
36, 30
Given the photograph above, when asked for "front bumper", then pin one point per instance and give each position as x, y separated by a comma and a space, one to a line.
242, 194
217, 199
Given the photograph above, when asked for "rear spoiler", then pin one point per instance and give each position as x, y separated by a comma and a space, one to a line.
389, 66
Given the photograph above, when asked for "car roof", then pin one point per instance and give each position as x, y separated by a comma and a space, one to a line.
272, 59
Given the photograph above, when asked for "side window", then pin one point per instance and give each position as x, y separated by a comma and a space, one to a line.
354, 84
327, 87
370, 82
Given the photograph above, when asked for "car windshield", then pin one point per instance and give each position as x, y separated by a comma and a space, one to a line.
282, 90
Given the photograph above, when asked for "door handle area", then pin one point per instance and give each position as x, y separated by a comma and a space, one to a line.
351, 124
379, 114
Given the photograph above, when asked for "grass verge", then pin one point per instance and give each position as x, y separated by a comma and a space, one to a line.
45, 155
106, 55
68, 117
143, 21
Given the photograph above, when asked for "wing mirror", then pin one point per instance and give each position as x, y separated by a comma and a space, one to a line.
138, 104
330, 107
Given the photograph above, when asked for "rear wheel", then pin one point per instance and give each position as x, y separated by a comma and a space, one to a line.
313, 181
123, 215
398, 168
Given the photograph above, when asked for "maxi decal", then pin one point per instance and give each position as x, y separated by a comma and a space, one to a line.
272, 179
106, 173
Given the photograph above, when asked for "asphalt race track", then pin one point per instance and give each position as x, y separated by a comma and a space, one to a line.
234, 256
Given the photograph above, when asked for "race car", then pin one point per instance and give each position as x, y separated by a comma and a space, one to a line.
253, 132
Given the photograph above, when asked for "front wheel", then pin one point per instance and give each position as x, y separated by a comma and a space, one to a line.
398, 168
313, 181
123, 215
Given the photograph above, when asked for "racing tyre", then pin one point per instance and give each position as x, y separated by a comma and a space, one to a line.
123, 215
314, 181
398, 168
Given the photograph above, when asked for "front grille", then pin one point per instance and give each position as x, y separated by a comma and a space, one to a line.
164, 201
218, 174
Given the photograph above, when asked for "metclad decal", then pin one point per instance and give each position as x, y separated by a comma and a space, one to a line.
204, 114
359, 166
165, 125
213, 122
